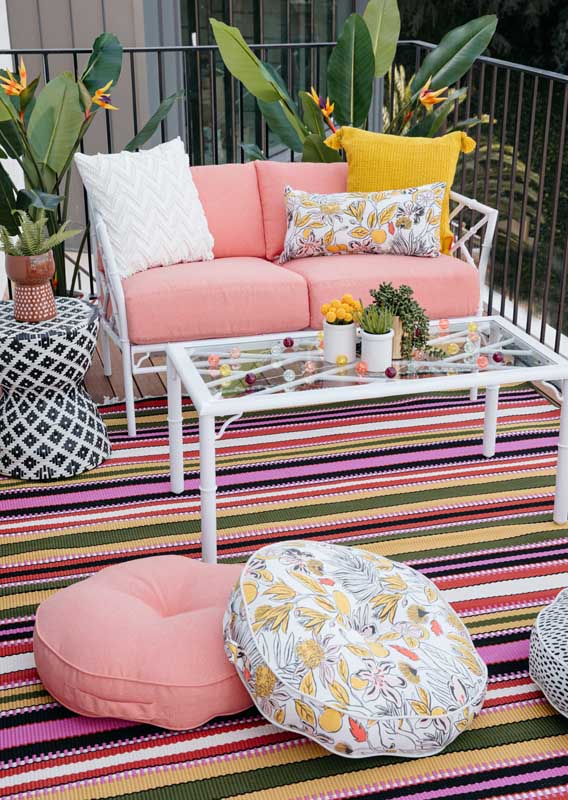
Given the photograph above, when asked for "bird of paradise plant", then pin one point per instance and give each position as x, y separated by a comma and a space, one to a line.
365, 50
42, 131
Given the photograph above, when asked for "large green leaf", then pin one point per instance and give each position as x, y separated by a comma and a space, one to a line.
42, 200
7, 203
7, 110
151, 126
316, 150
253, 152
55, 124
311, 114
350, 73
280, 123
242, 62
383, 20
104, 64
455, 54
11, 139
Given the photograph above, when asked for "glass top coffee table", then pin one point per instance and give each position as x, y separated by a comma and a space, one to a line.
230, 377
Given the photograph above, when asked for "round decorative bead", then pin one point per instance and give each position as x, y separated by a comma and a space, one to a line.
235, 352
469, 347
473, 336
289, 375
362, 368
225, 370
390, 372
276, 349
472, 327
453, 349
444, 324
417, 332
309, 368
250, 378
418, 355
482, 362
341, 360
213, 360
288, 342
498, 357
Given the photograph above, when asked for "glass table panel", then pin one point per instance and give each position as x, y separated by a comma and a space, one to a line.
240, 368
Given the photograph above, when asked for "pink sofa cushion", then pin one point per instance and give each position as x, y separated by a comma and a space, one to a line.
214, 299
274, 176
445, 286
230, 199
142, 641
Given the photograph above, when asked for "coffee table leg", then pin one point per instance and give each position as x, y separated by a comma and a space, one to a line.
175, 430
490, 421
208, 489
561, 496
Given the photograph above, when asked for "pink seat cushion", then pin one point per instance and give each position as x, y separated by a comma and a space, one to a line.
274, 176
230, 199
445, 286
142, 641
214, 299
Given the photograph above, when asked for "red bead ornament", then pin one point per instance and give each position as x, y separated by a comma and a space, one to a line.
498, 357
288, 342
250, 378
390, 372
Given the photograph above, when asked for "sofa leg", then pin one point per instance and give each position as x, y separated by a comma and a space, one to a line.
105, 348
128, 388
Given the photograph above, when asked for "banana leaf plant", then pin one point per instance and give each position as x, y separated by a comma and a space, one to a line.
42, 131
365, 50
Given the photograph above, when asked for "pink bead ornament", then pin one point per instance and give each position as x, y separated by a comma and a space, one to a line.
482, 362
362, 368
444, 324
235, 353
309, 368
213, 360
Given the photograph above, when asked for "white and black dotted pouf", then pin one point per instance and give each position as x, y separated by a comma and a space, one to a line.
548, 654
49, 426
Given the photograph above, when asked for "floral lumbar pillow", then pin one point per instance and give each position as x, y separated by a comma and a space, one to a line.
401, 221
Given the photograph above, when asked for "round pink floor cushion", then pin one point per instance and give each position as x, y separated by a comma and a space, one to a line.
142, 641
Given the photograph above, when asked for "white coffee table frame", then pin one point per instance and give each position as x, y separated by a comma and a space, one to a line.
182, 372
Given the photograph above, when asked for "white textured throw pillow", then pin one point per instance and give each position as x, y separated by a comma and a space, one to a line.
150, 206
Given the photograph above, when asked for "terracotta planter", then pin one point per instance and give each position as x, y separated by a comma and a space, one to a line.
397, 341
33, 295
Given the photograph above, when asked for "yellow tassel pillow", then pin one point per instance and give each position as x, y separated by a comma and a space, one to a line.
379, 162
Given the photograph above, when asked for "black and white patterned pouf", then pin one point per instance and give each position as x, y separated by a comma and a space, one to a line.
49, 426
548, 655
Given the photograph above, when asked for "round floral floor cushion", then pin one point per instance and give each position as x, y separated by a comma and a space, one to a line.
355, 651
548, 655
143, 641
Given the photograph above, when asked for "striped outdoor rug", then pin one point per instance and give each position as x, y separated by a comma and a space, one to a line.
404, 478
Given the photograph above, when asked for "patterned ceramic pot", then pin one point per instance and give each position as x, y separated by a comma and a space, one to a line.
339, 340
33, 295
376, 350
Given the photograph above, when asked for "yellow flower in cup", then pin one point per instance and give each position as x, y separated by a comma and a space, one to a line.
331, 316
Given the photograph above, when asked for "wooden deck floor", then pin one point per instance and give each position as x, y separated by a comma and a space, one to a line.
102, 388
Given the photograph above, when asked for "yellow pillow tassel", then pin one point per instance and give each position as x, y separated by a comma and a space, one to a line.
467, 143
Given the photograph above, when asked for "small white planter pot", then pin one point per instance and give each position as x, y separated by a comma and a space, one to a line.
376, 350
338, 340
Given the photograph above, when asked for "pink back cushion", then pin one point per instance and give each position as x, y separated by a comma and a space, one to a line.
273, 176
229, 195
142, 640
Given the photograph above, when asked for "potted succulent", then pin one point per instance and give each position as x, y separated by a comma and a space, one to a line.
339, 332
377, 336
410, 322
30, 266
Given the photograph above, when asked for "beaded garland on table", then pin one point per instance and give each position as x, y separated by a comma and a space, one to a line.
289, 365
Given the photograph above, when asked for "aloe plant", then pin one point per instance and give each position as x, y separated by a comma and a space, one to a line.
33, 238
365, 49
42, 131
375, 319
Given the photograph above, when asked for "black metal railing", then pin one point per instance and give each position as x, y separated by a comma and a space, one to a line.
520, 165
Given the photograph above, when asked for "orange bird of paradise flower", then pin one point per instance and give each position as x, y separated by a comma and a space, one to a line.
102, 98
325, 106
428, 98
15, 86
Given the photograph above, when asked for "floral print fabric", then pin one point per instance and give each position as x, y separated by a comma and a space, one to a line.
402, 222
357, 652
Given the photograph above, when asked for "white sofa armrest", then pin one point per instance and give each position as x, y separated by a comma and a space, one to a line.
477, 226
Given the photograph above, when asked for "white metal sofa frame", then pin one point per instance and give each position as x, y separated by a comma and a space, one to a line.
114, 324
